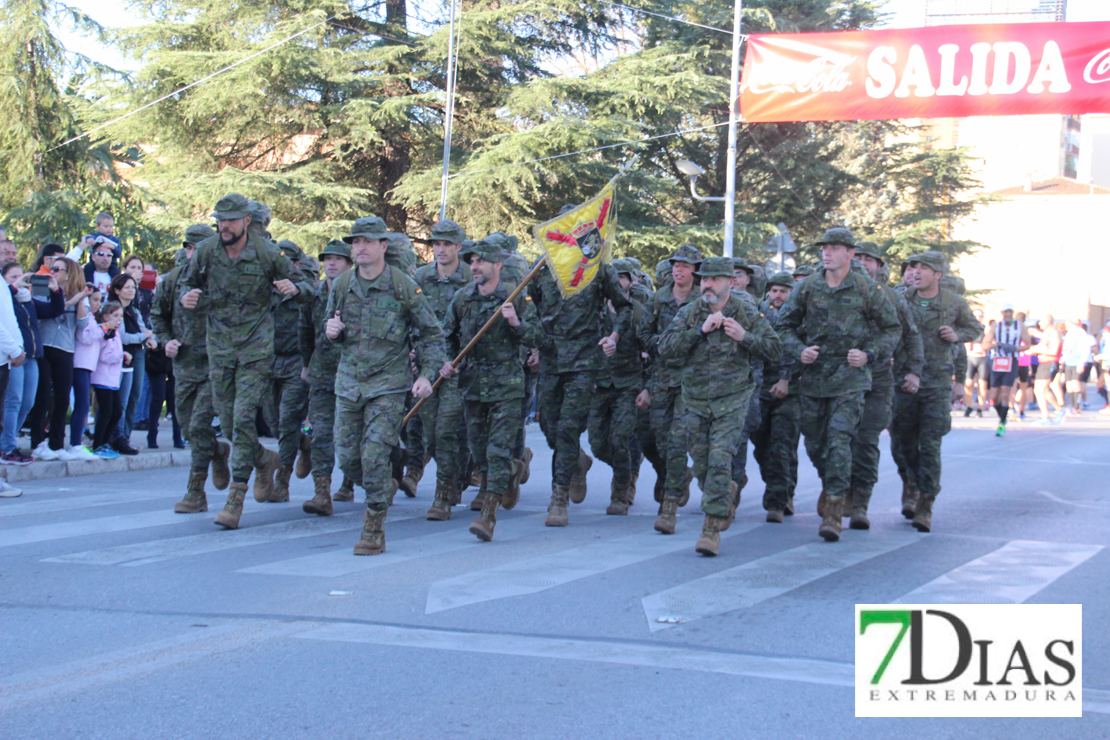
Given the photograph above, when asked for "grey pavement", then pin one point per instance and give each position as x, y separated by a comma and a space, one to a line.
121, 619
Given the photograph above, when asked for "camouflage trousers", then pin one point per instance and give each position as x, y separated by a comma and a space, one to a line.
829, 426
238, 389
492, 428
366, 431
413, 433
445, 432
661, 416
531, 380
878, 408
564, 415
920, 422
711, 434
751, 423
612, 428
321, 415
775, 442
195, 412
291, 399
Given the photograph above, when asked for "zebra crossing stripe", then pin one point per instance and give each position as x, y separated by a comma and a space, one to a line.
54, 505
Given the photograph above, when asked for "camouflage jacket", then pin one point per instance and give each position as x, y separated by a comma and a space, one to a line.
492, 371
514, 269
572, 326
171, 320
715, 366
787, 368
658, 315
320, 356
287, 320
439, 291
240, 323
909, 354
625, 369
854, 315
944, 309
383, 319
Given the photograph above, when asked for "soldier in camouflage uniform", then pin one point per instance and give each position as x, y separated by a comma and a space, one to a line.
715, 338
491, 377
743, 277
904, 369
182, 334
321, 363
570, 357
376, 313
775, 439
288, 401
612, 425
801, 272
922, 419
837, 323
237, 273
444, 423
662, 395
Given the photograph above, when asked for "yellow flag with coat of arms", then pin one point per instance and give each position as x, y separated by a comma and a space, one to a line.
577, 242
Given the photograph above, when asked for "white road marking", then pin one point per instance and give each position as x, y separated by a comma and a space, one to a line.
766, 578
86, 527
1009, 575
1057, 499
548, 571
635, 654
50, 506
332, 564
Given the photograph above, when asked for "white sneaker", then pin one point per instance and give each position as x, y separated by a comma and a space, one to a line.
43, 452
82, 453
66, 455
8, 491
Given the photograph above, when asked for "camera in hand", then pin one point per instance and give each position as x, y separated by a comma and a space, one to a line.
40, 286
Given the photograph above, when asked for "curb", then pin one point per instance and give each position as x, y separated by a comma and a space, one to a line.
122, 464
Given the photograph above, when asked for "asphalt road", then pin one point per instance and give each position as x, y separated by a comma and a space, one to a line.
120, 619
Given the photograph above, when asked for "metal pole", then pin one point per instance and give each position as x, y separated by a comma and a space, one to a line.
449, 112
733, 116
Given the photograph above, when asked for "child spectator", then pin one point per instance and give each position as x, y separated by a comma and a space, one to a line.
105, 378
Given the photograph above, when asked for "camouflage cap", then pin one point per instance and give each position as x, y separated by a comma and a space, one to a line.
932, 258
624, 266
662, 271
197, 233
291, 250
637, 266
259, 213
715, 267
785, 279
838, 235
802, 271
466, 250
871, 249
231, 206
447, 231
339, 248
503, 240
369, 227
687, 253
739, 264
487, 251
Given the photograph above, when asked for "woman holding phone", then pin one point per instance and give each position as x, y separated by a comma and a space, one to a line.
138, 310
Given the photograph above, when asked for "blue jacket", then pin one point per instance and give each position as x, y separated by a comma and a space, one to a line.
28, 315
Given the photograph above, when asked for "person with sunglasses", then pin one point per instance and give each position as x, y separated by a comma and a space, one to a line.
100, 271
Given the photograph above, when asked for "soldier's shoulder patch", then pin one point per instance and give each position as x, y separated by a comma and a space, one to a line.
419, 291
528, 298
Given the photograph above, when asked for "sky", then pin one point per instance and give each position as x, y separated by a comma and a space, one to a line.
906, 14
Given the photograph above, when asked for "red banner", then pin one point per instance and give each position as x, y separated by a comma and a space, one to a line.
936, 72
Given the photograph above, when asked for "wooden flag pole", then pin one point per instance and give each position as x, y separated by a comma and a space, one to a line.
481, 332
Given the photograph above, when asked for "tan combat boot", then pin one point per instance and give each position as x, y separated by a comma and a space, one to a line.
265, 465
476, 504
710, 539
848, 498
524, 476
923, 515
668, 514
320, 504
441, 506
195, 500
482, 527
346, 491
304, 460
909, 500
233, 509
578, 480
221, 472
512, 492
557, 510
774, 516
618, 504
372, 541
630, 495
280, 494
413, 474
830, 524
685, 497
860, 500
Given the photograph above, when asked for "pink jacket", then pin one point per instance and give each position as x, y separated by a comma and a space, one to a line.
86, 351
110, 361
